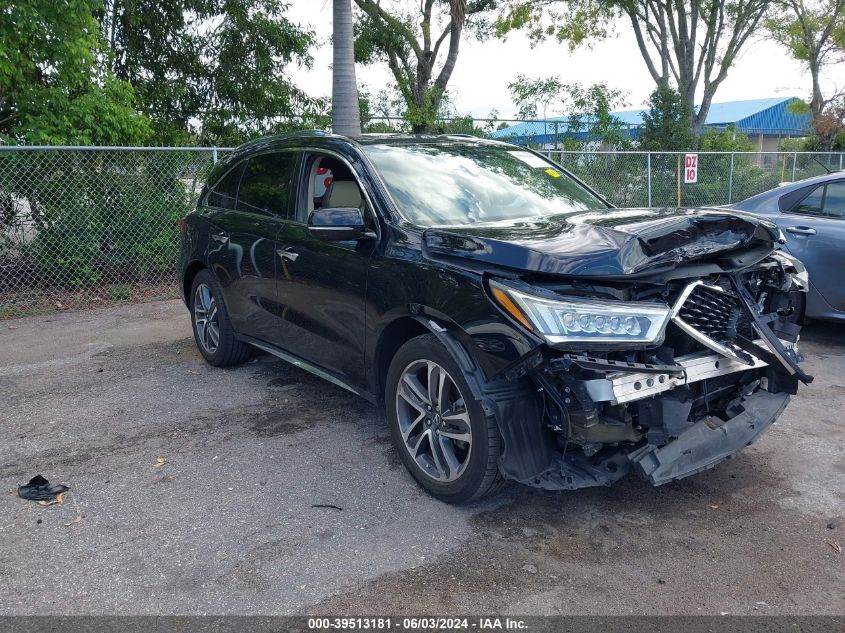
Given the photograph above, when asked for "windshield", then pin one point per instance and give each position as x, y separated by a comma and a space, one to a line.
463, 183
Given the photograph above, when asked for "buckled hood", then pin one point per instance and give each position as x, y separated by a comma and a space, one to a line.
609, 242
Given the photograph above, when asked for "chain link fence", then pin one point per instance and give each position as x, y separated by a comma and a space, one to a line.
90, 226
80, 226
655, 179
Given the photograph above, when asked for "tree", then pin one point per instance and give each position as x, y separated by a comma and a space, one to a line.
828, 130
691, 43
813, 34
413, 51
666, 123
346, 117
591, 113
382, 112
588, 109
531, 95
52, 88
207, 71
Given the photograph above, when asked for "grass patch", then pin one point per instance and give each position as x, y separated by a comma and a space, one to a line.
121, 292
29, 303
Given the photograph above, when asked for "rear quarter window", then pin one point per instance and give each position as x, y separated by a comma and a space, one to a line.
224, 195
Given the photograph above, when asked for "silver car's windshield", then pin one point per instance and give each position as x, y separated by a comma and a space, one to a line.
466, 183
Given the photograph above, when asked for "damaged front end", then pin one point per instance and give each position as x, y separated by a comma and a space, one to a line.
666, 376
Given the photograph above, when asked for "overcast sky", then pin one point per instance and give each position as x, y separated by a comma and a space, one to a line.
479, 82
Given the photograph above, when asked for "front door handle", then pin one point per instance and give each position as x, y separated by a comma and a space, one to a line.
287, 254
801, 230
220, 237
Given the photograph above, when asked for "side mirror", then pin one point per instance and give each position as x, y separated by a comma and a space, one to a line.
337, 224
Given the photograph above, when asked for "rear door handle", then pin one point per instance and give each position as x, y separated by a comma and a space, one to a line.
801, 230
220, 237
288, 254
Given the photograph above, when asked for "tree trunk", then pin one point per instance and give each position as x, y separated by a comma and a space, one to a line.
817, 103
696, 121
346, 119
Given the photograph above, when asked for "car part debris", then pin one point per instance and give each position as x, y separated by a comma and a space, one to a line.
39, 489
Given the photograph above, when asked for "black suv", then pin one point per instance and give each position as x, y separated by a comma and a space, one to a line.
514, 323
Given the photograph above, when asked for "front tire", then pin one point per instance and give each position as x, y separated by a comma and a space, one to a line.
213, 331
444, 438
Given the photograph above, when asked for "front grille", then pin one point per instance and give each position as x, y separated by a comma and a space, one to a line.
713, 313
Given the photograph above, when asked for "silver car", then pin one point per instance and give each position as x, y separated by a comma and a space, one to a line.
811, 215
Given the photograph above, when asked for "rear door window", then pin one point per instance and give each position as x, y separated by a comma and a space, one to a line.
825, 201
266, 184
812, 204
834, 200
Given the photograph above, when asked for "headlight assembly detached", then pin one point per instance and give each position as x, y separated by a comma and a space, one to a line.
582, 320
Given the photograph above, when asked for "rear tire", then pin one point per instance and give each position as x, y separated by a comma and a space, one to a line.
444, 438
213, 331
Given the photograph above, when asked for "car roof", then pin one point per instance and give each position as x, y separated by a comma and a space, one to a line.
364, 139
781, 190
418, 139
319, 139
327, 140
800, 184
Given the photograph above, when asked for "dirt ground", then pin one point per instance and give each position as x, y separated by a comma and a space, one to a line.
197, 490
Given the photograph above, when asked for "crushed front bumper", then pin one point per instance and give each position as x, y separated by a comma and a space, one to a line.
702, 446
630, 386
721, 376
710, 440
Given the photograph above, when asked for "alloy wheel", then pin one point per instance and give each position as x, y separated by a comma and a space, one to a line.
206, 318
433, 420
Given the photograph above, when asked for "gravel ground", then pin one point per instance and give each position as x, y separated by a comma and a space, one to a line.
196, 490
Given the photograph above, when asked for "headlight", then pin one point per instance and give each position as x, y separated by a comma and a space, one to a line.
583, 320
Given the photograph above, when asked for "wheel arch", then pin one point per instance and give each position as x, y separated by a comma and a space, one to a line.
191, 271
393, 336
528, 446
404, 328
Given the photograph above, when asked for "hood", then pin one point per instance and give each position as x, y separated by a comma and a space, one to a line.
609, 242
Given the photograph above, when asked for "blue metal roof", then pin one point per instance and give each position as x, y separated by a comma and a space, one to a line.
770, 117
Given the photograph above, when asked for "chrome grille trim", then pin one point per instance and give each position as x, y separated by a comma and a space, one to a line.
699, 336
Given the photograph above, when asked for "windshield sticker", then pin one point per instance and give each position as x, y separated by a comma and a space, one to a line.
532, 160
552, 173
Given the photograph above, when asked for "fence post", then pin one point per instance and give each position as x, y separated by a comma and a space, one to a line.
649, 178
794, 164
840, 161
679, 181
731, 179
213, 154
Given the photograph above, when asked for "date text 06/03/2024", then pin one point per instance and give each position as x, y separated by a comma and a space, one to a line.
416, 624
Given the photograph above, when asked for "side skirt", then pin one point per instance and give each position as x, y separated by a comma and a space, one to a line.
309, 367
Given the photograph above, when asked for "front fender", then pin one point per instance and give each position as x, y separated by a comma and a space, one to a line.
528, 443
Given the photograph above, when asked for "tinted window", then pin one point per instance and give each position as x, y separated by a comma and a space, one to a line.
812, 204
834, 200
224, 195
463, 183
265, 185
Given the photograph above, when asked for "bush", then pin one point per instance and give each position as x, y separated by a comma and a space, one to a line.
99, 216
121, 292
